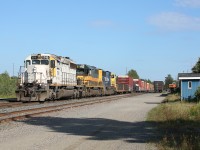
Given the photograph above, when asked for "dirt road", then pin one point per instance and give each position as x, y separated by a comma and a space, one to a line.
115, 125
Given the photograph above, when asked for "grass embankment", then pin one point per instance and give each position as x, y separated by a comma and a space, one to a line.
178, 124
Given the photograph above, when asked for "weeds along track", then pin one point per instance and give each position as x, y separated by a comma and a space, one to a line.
28, 112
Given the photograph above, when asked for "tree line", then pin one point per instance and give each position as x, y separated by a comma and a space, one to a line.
169, 79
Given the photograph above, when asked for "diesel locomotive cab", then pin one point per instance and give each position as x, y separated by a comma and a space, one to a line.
35, 77
47, 76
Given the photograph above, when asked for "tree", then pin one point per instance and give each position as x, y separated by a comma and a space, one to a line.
149, 81
133, 73
196, 67
7, 85
168, 80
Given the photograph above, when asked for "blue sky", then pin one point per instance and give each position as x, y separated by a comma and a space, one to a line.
156, 38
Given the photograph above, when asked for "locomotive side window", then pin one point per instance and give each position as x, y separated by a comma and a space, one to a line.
44, 62
35, 62
72, 66
28, 62
53, 64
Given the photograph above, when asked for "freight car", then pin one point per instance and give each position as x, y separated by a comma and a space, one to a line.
158, 86
121, 84
142, 86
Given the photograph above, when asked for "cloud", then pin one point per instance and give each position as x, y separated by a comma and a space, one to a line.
175, 21
102, 23
187, 3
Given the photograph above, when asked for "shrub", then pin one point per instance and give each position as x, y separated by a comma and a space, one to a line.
197, 94
7, 85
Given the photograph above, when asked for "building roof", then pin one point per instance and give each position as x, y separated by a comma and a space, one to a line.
185, 76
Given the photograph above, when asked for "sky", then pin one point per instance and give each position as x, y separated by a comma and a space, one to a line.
153, 37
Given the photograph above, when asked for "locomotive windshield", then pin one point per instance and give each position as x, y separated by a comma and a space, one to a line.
80, 71
44, 62
40, 62
35, 62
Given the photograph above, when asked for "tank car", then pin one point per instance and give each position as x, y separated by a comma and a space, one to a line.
47, 76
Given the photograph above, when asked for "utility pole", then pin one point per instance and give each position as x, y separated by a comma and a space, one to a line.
13, 69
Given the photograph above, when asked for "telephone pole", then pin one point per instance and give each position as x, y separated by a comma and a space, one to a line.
13, 69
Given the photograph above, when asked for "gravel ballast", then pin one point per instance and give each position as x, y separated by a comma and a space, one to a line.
112, 125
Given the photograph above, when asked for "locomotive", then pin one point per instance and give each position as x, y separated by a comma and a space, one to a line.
49, 77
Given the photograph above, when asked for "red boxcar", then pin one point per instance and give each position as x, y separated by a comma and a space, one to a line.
124, 84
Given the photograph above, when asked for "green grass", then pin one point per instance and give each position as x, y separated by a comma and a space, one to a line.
172, 98
8, 96
177, 123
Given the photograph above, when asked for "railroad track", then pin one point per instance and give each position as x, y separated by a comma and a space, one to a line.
28, 113
11, 104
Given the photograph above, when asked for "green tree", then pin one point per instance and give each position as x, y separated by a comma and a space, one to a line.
196, 67
168, 80
7, 85
133, 73
149, 81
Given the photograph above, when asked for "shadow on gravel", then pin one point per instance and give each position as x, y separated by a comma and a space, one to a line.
99, 128
152, 102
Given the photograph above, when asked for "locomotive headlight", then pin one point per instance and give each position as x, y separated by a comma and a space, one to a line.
34, 69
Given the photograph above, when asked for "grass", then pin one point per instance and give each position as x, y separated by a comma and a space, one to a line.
177, 123
8, 96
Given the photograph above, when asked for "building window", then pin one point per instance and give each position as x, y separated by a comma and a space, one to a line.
189, 84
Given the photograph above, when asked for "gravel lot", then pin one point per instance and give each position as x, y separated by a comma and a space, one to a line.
113, 125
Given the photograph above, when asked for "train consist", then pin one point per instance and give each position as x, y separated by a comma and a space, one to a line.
49, 77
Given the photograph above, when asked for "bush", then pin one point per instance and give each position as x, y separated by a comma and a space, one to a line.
7, 85
197, 94
195, 112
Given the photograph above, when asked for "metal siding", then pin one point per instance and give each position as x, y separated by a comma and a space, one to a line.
189, 93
